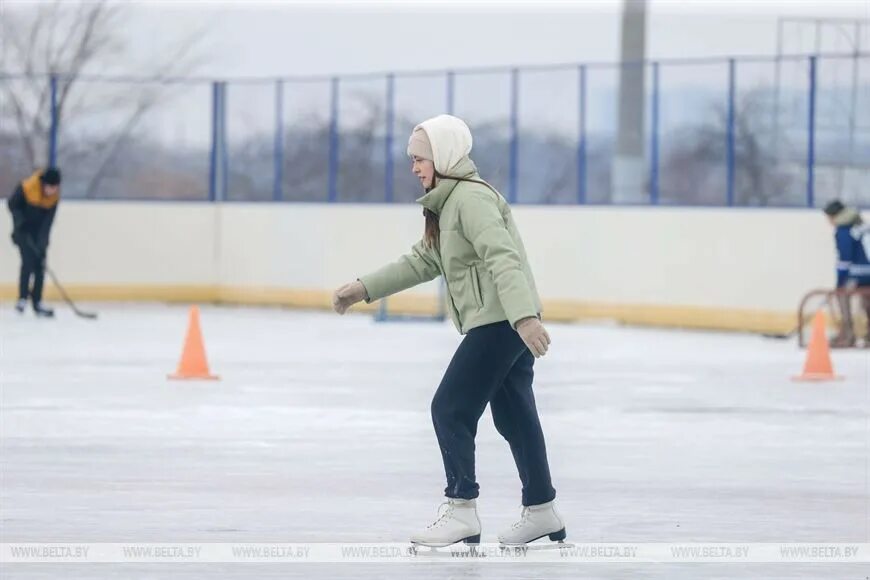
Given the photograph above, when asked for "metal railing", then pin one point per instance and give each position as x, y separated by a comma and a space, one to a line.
792, 131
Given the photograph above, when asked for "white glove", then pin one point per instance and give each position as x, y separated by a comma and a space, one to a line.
348, 295
534, 335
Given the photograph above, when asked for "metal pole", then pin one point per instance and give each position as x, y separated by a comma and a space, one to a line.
581, 143
388, 140
52, 136
811, 136
515, 137
277, 192
731, 91
333, 143
213, 158
654, 145
224, 192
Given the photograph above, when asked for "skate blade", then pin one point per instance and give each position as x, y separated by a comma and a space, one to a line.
450, 551
437, 553
536, 547
420, 548
545, 546
557, 540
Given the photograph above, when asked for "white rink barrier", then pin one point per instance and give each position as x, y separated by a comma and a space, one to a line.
699, 553
738, 269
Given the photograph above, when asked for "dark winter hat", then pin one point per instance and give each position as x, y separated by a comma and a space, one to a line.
51, 176
834, 207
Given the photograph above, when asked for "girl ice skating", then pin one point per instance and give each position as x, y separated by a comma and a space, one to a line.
471, 240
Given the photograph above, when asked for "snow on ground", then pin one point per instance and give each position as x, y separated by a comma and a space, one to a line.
319, 431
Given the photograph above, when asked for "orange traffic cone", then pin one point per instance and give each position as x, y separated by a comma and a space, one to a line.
193, 364
818, 365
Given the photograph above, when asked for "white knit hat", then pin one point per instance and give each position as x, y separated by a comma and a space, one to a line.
419, 145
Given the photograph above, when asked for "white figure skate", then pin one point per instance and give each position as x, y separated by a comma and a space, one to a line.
457, 522
536, 521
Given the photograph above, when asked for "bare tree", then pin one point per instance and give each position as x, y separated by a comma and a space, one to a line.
68, 41
694, 171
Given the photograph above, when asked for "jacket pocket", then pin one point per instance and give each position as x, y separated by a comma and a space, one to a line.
475, 286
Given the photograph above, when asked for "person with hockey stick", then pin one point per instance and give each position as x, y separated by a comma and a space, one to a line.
852, 239
470, 238
33, 206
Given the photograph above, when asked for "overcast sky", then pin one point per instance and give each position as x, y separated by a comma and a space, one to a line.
291, 38
268, 39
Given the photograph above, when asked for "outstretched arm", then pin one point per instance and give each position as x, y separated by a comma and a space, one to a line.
415, 267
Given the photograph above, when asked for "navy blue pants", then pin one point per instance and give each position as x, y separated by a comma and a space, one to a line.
492, 365
31, 266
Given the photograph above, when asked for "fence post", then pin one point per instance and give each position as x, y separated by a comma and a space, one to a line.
811, 136
654, 137
222, 141
52, 136
732, 81
515, 136
278, 189
213, 157
388, 140
581, 143
333, 142
451, 84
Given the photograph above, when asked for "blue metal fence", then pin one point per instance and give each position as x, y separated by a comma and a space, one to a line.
715, 132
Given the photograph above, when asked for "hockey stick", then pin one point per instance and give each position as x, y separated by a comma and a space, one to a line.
804, 321
781, 336
790, 333
67, 299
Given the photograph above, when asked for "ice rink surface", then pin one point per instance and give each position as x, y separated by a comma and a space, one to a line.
319, 431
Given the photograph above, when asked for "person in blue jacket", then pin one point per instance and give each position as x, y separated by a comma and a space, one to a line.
852, 237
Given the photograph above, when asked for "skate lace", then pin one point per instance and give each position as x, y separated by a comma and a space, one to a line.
524, 516
441, 516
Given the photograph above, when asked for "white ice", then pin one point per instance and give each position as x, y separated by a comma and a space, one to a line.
319, 430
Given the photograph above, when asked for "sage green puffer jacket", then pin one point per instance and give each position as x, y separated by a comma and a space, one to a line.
481, 255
